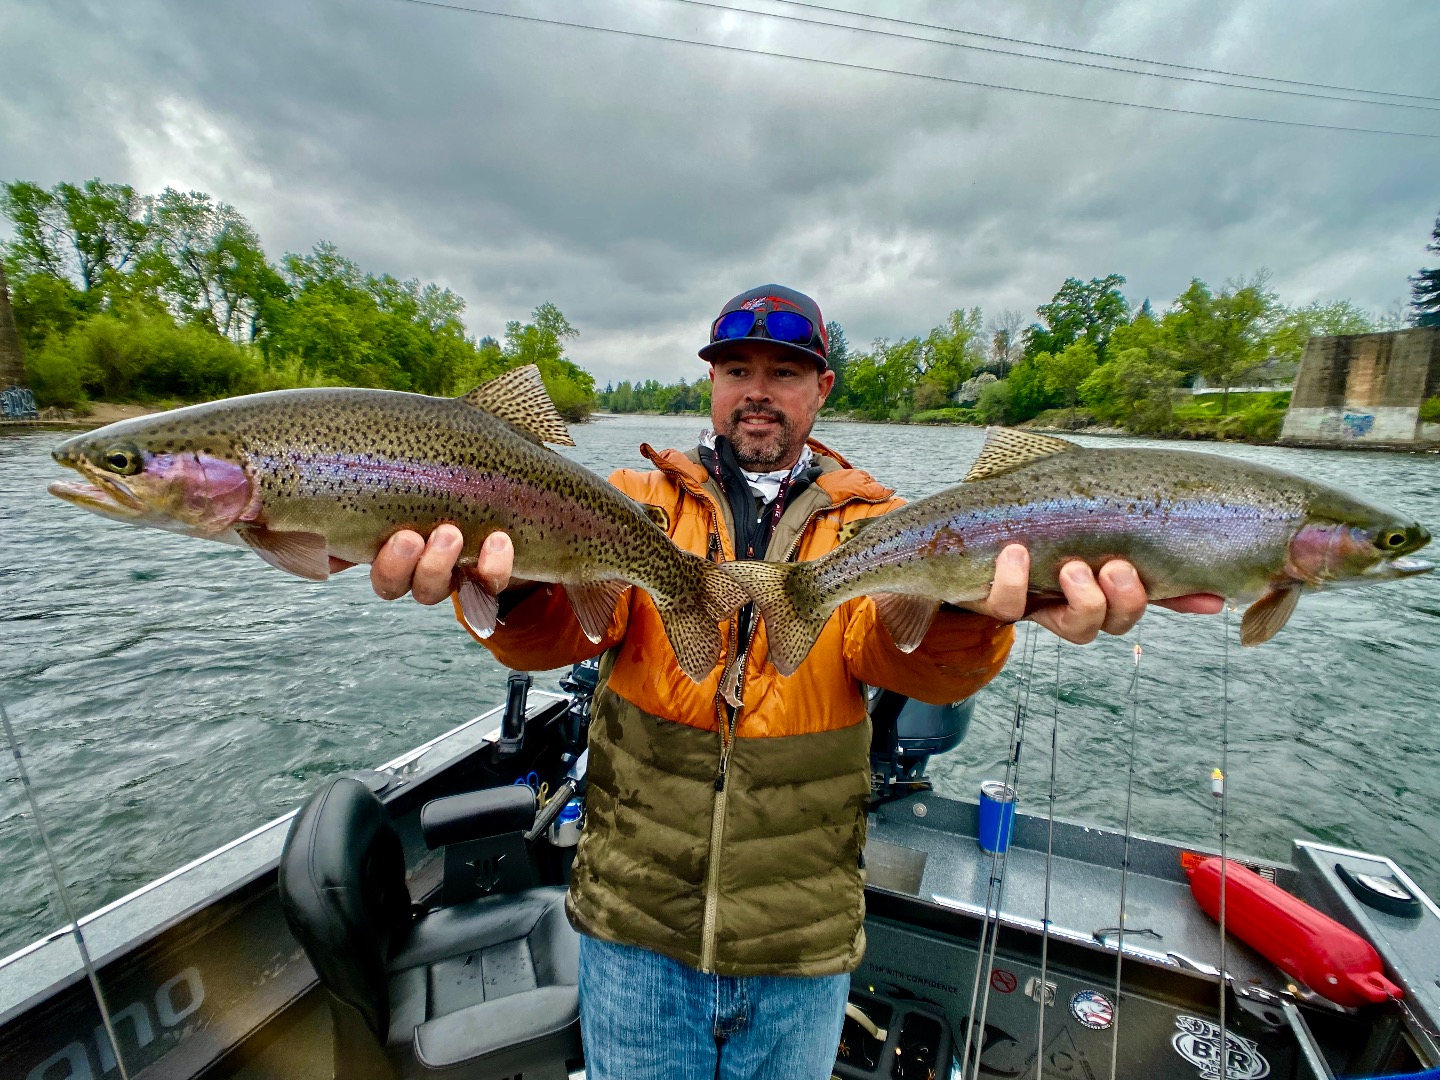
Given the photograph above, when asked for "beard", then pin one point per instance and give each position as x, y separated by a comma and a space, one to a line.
764, 451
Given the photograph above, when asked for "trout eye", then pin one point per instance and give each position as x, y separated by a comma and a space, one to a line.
1393, 539
122, 460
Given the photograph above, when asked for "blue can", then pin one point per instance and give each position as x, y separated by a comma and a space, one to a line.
997, 817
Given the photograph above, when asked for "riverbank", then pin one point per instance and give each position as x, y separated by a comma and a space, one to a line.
100, 414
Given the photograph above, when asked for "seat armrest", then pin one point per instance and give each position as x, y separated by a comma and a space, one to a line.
476, 814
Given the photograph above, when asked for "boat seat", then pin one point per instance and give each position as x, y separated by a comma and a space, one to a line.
474, 991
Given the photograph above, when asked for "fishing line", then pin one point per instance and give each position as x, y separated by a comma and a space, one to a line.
995, 893
1125, 854
1049, 857
1224, 821
63, 892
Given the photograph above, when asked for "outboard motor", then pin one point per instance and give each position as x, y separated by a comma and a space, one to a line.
905, 734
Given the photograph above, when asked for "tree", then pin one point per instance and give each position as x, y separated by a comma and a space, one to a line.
1062, 373
882, 379
12, 359
1090, 310
1223, 336
1134, 388
86, 234
1425, 286
948, 357
1007, 340
838, 358
207, 261
542, 342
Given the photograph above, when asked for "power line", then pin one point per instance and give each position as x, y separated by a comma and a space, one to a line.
1183, 67
848, 66
1044, 59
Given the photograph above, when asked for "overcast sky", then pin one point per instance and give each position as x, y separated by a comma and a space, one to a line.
639, 183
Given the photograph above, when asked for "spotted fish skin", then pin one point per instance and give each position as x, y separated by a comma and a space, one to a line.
305, 475
1189, 522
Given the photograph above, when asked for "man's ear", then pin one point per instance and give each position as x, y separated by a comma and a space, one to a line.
827, 383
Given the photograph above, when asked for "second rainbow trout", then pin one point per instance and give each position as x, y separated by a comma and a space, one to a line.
1189, 522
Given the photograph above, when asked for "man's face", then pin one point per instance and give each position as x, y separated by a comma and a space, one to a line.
765, 403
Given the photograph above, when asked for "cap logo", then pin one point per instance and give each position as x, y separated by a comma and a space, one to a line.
769, 303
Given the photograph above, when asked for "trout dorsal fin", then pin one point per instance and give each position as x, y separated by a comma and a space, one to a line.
518, 397
852, 529
1006, 449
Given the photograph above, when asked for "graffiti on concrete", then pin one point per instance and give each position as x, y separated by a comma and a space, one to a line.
17, 403
1358, 425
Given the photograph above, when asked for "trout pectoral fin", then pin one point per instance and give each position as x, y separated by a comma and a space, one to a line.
594, 603
908, 618
1264, 618
304, 554
480, 607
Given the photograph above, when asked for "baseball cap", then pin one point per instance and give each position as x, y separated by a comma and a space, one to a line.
761, 301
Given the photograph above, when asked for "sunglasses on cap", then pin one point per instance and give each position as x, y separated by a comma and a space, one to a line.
786, 326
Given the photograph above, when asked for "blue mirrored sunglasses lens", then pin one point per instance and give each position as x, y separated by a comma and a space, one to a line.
787, 326
733, 324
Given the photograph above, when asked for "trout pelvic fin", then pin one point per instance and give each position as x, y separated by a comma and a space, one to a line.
304, 554
594, 603
1264, 618
518, 397
1006, 450
479, 605
791, 624
908, 618
692, 616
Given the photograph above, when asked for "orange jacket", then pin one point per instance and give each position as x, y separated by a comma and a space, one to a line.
960, 654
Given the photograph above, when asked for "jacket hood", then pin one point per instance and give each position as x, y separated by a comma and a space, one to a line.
838, 478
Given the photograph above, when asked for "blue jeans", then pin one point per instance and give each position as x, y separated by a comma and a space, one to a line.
644, 1016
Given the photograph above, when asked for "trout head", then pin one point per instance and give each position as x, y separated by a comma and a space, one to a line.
145, 472
1353, 543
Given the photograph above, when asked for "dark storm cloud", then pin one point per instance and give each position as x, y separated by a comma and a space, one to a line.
638, 184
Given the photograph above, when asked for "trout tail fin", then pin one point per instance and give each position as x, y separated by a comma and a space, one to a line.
788, 601
692, 613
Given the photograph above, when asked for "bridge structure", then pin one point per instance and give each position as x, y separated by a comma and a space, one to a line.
1366, 390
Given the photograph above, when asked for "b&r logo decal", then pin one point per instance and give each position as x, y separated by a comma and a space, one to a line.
1198, 1042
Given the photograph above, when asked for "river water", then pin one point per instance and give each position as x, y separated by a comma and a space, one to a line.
171, 694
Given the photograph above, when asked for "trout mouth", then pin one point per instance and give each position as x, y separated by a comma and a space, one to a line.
1403, 567
106, 494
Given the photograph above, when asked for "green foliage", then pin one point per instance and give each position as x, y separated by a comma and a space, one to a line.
1430, 411
953, 415
146, 357
542, 342
994, 404
1223, 336
652, 396
1134, 389
1062, 373
1090, 310
108, 284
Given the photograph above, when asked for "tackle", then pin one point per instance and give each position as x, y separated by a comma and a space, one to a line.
1189, 522
304, 476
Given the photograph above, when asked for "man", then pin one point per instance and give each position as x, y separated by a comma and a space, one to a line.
719, 887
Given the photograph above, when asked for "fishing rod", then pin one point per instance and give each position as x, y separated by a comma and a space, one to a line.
990, 927
61, 890
1049, 861
1137, 652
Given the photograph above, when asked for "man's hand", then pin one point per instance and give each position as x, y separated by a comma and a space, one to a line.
426, 569
1112, 601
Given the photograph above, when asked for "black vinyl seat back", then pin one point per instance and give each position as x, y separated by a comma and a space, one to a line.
342, 889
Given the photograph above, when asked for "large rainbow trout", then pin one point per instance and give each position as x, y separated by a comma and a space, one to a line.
303, 475
1189, 522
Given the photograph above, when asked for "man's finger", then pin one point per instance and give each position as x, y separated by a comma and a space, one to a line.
1008, 592
432, 581
394, 566
1083, 615
497, 560
1124, 595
